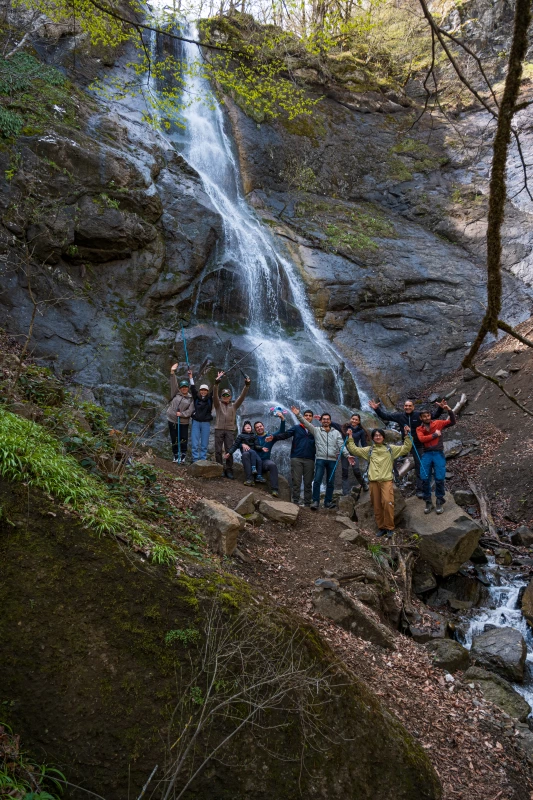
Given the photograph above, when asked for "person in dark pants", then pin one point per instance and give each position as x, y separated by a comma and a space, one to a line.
252, 462
201, 419
180, 407
226, 421
302, 459
265, 443
433, 458
359, 439
329, 444
411, 418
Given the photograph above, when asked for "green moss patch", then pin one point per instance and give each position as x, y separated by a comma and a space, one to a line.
346, 227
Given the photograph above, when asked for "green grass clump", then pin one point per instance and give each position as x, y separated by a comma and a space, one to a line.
20, 778
29, 453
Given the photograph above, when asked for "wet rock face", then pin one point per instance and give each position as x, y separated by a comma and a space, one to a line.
500, 692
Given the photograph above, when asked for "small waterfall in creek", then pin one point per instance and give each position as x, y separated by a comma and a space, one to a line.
251, 282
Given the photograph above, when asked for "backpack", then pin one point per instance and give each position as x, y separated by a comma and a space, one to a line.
395, 476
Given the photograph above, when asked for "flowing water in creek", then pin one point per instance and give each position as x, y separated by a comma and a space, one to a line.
504, 612
255, 283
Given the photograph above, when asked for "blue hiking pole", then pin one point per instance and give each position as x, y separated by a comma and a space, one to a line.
185, 346
424, 476
179, 442
337, 461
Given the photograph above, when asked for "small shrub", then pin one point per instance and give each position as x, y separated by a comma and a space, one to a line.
10, 125
186, 637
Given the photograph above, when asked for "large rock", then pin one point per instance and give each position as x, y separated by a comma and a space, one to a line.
206, 469
527, 603
452, 448
279, 511
350, 614
464, 497
501, 650
500, 692
522, 536
423, 578
447, 540
346, 505
220, 524
449, 654
365, 513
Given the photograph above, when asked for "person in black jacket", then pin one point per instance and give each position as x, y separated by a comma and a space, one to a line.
359, 438
411, 418
302, 459
201, 419
248, 444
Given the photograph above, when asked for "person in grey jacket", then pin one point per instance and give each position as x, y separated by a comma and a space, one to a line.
181, 407
328, 443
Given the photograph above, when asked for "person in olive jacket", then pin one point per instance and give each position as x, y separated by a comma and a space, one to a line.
180, 408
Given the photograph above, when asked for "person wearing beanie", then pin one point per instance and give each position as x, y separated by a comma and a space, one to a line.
247, 443
180, 408
201, 419
226, 421
381, 458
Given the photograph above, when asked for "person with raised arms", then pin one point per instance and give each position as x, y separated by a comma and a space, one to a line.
180, 408
329, 444
433, 458
201, 419
226, 421
381, 458
302, 459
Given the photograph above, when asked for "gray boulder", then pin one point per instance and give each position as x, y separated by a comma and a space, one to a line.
499, 692
346, 505
527, 603
220, 524
279, 511
452, 448
206, 469
501, 650
246, 504
445, 541
522, 536
335, 604
423, 578
449, 655
464, 497
435, 626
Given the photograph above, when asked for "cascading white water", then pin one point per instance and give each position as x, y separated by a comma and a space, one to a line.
249, 248
505, 613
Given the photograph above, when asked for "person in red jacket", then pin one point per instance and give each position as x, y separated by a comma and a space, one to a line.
433, 459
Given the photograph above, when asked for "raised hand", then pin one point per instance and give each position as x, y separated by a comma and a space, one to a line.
173, 368
441, 403
295, 410
219, 376
247, 380
374, 404
189, 373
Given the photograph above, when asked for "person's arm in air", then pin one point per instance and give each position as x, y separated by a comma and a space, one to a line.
287, 434
437, 412
192, 386
173, 382
309, 425
216, 400
398, 451
363, 452
388, 416
337, 427
240, 400
452, 420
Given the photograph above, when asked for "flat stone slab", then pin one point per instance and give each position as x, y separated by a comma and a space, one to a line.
206, 469
220, 524
501, 650
350, 614
446, 540
279, 511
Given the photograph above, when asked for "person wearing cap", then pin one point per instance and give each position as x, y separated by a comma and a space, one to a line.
181, 407
201, 419
381, 458
226, 421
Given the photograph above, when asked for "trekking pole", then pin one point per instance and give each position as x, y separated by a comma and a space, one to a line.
185, 346
179, 442
422, 467
337, 461
227, 351
242, 359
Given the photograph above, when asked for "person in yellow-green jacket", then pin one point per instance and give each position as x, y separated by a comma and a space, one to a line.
381, 458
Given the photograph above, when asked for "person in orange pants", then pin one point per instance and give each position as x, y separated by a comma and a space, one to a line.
381, 458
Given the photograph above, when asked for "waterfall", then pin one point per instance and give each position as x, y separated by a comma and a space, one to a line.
301, 366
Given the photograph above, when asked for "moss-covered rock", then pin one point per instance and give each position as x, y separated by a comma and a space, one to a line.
101, 656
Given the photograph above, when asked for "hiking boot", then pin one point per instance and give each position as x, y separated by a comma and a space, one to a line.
260, 479
365, 487
429, 507
248, 483
382, 532
440, 504
254, 470
314, 506
274, 493
229, 474
330, 505
389, 534
176, 460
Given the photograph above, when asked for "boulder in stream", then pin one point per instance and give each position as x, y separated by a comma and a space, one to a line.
500, 692
501, 650
527, 603
445, 541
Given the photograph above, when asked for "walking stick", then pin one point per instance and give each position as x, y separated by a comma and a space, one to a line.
179, 442
227, 351
337, 461
242, 359
185, 346
422, 467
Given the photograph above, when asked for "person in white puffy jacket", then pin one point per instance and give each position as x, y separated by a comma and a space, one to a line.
328, 443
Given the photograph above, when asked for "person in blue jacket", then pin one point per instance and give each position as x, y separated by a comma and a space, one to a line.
302, 459
265, 443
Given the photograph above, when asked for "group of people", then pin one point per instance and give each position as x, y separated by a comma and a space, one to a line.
316, 450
